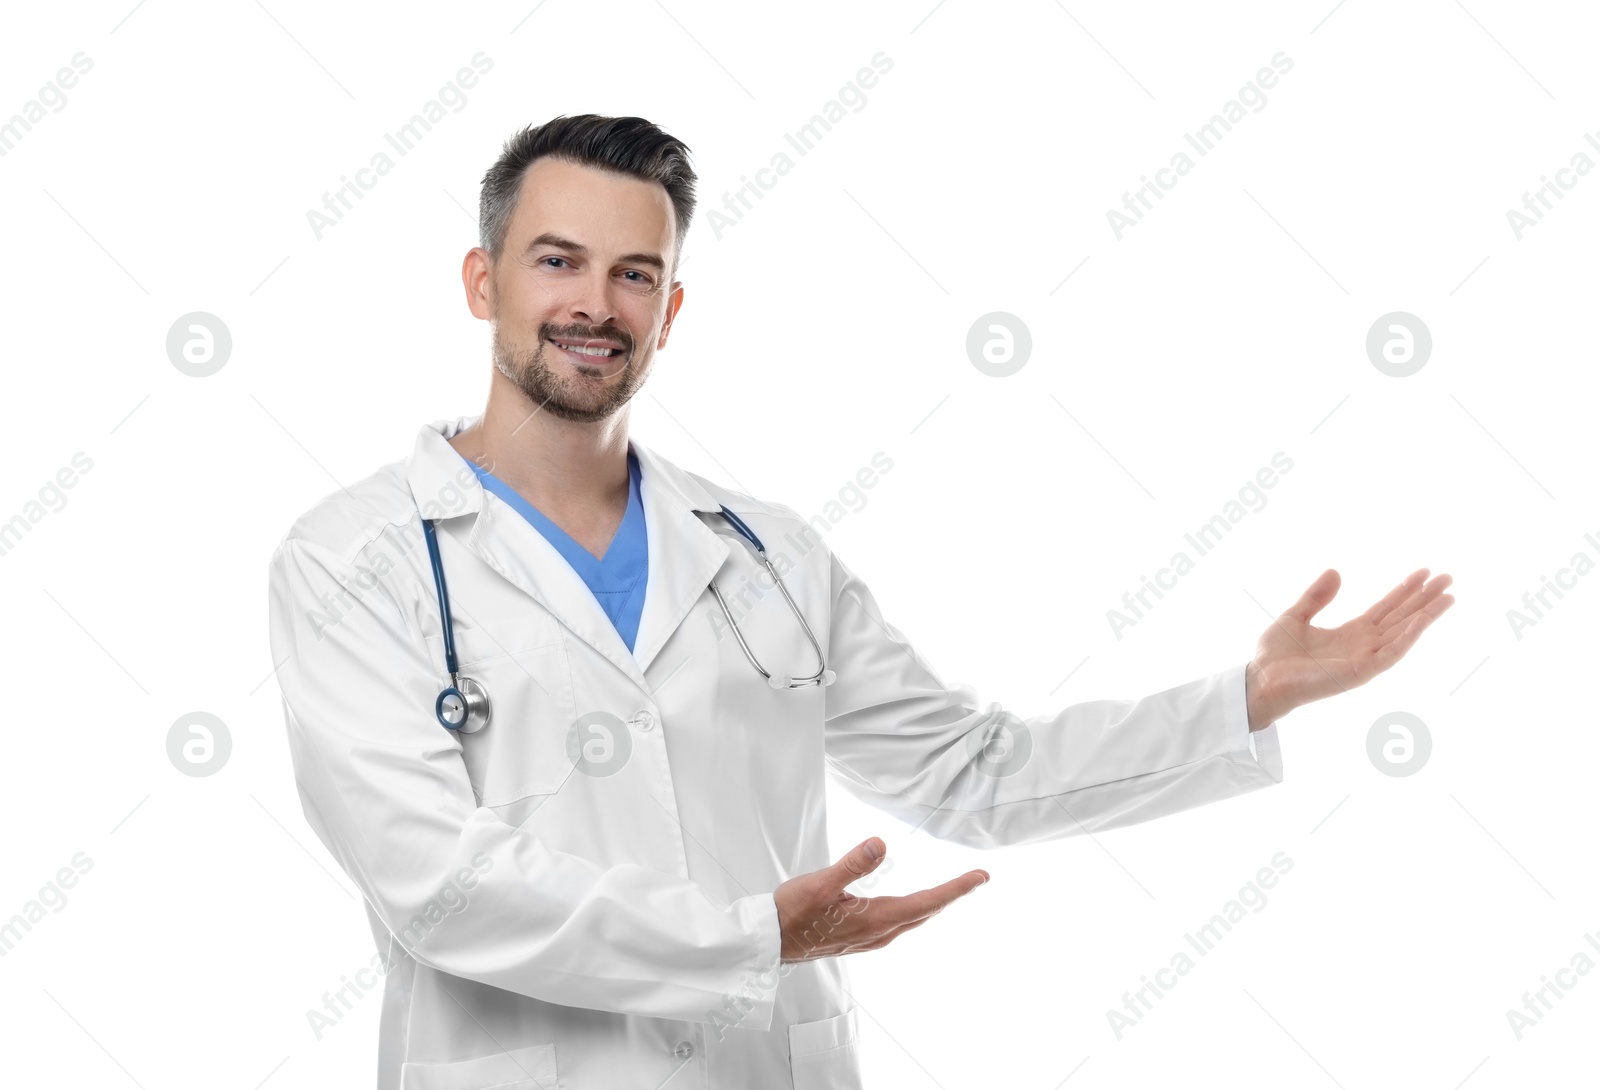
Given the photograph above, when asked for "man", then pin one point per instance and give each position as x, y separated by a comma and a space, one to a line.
623, 879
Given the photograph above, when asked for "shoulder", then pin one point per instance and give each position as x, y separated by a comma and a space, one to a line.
787, 534
347, 521
742, 503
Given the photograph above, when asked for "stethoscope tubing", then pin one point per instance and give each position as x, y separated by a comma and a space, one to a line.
444, 600
761, 552
479, 694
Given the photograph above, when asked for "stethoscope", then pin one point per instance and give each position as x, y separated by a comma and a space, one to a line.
464, 705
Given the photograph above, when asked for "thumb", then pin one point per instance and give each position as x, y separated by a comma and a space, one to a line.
861, 860
1317, 595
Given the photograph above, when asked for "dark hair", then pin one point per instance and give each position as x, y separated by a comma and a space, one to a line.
624, 145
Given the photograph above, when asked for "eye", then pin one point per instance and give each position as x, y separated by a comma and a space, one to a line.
552, 259
644, 279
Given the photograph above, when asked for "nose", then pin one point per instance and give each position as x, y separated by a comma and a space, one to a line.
593, 303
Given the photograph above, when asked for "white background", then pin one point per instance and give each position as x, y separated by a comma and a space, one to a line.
826, 325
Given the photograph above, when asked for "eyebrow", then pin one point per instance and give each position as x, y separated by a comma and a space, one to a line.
550, 238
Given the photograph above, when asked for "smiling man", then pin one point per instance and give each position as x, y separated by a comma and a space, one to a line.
574, 752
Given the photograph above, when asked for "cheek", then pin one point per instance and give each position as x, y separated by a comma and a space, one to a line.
645, 324
542, 299
520, 314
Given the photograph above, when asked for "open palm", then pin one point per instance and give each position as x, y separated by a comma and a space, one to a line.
1298, 662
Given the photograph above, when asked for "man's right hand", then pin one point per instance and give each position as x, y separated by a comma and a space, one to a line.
819, 919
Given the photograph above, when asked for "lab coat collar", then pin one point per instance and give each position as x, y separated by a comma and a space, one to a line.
684, 553
434, 471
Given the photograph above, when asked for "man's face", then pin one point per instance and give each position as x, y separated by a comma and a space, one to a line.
584, 266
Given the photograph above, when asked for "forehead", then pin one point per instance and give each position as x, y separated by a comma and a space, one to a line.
601, 209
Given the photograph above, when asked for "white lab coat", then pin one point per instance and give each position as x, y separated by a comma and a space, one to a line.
540, 923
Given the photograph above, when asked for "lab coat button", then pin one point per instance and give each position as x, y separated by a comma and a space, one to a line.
684, 1050
645, 720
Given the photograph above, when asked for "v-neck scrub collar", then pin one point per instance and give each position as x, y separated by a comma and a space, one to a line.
617, 579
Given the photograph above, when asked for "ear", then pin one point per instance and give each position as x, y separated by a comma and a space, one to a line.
478, 281
674, 301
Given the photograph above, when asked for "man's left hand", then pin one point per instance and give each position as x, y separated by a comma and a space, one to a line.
1297, 663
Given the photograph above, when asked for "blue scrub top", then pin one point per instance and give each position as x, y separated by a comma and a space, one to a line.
616, 580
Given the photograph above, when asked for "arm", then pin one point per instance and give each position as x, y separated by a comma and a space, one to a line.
385, 788
901, 738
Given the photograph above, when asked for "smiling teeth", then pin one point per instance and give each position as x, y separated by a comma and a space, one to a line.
590, 351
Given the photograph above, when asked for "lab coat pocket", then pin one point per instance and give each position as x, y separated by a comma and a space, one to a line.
530, 1068
523, 750
822, 1054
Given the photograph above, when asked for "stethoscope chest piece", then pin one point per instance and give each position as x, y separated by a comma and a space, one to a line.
463, 707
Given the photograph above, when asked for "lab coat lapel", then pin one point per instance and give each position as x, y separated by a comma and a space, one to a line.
684, 553
520, 553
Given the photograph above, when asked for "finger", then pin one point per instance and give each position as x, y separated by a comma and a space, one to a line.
1317, 595
1400, 593
858, 862
1390, 653
885, 917
894, 911
1398, 616
1419, 598
1401, 628
894, 933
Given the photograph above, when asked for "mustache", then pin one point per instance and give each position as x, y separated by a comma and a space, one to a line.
620, 336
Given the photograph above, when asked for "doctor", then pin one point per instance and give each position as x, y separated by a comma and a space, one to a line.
614, 871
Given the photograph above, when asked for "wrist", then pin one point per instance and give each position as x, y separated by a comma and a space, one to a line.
1261, 708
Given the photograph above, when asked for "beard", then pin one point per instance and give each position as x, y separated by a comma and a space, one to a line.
582, 394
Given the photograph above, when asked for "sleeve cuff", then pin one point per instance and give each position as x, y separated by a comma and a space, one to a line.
1260, 747
752, 1005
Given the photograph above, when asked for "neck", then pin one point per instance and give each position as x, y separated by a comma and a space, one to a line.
559, 466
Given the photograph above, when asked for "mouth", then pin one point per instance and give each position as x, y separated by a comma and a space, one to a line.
590, 352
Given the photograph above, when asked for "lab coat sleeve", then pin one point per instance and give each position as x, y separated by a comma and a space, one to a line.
385, 788
901, 738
